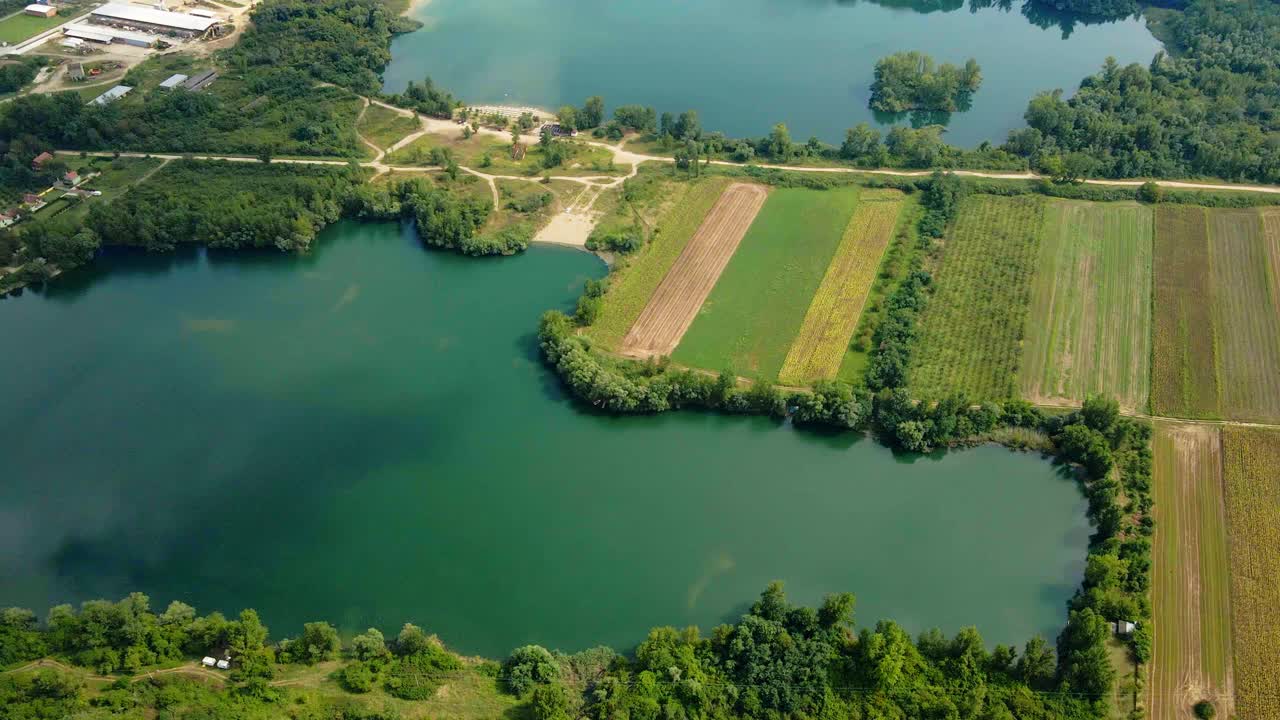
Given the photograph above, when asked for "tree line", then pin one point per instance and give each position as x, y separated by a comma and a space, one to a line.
911, 81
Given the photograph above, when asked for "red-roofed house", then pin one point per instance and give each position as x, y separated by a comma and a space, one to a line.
40, 160
72, 178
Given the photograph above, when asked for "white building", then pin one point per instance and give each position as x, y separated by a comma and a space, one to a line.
137, 17
224, 664
173, 81
111, 95
108, 35
47, 11
208, 662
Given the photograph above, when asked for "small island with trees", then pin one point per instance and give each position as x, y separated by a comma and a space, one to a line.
908, 81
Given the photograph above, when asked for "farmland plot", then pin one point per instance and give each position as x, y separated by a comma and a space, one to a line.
1184, 373
971, 332
1250, 459
1191, 654
675, 303
833, 315
755, 311
631, 287
1089, 330
1243, 263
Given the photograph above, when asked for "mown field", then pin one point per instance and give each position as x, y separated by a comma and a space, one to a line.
384, 127
631, 286
1191, 604
833, 315
1184, 372
491, 154
754, 312
971, 333
1250, 459
1089, 330
1243, 263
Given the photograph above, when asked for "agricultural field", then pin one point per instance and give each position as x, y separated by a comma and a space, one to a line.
971, 333
1191, 603
1243, 261
20, 27
675, 303
750, 319
1250, 459
1089, 330
1184, 371
833, 315
384, 127
632, 284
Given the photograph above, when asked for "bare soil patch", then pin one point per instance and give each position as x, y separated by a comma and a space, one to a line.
1190, 595
674, 305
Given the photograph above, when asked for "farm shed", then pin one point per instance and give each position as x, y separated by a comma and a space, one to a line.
1123, 627
173, 81
40, 160
145, 18
201, 81
100, 34
75, 71
40, 10
111, 95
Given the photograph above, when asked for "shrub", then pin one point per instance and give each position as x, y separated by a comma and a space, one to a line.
1205, 710
357, 678
527, 667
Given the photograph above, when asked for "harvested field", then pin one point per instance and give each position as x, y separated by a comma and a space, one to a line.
1251, 457
755, 312
833, 315
1243, 262
1191, 654
631, 285
1089, 330
1184, 372
675, 303
970, 334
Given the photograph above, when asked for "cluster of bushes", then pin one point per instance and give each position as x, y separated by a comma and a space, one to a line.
425, 98
910, 81
443, 218
15, 75
624, 240
227, 205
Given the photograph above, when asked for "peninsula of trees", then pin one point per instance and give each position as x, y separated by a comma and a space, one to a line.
911, 81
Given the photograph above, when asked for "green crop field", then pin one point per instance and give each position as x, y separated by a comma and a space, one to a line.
756, 309
21, 27
1191, 602
1245, 298
1089, 330
1250, 459
630, 286
1184, 371
833, 315
971, 332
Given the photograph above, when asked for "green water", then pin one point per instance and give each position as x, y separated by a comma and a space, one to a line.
366, 435
747, 64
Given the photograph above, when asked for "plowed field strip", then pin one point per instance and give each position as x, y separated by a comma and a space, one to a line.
675, 303
1190, 594
1184, 374
833, 316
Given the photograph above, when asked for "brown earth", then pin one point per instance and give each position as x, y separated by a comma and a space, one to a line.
1191, 654
675, 303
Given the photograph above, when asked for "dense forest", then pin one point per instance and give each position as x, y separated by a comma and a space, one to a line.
912, 81
777, 660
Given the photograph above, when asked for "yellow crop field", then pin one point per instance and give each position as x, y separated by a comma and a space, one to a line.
833, 315
1251, 457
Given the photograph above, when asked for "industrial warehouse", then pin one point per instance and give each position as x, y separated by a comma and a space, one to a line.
164, 22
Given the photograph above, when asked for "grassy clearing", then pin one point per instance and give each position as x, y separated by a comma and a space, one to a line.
492, 154
1190, 581
631, 284
1250, 459
755, 311
384, 127
1089, 330
971, 333
21, 27
1243, 263
833, 315
1184, 371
